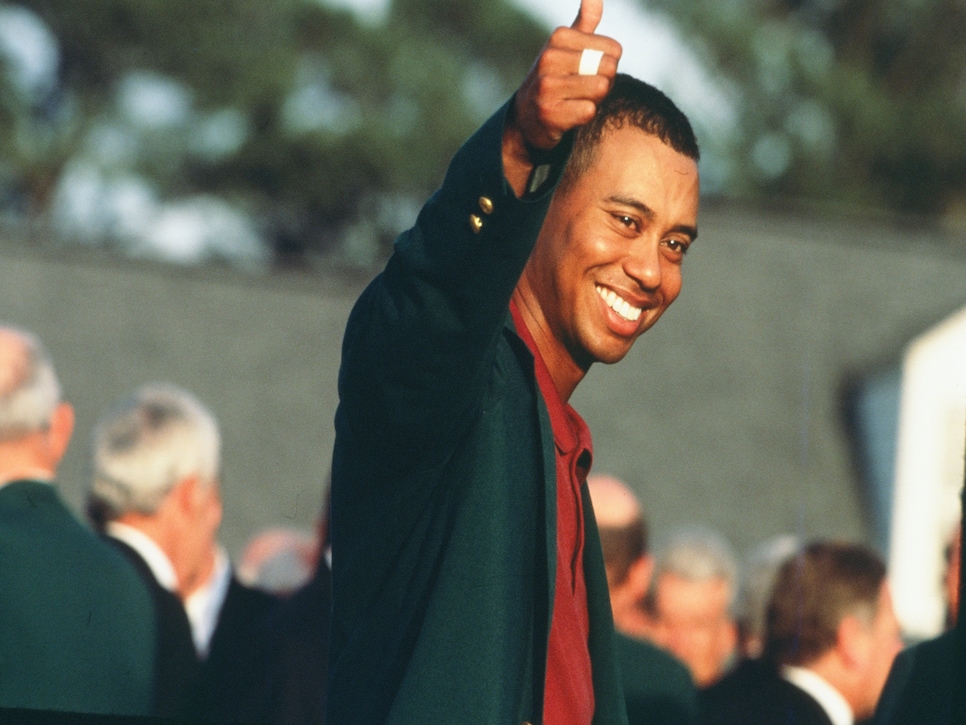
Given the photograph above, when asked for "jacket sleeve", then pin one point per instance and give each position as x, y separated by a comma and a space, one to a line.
419, 346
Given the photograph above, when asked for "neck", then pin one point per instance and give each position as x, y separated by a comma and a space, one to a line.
167, 536
632, 621
23, 459
564, 371
201, 575
835, 673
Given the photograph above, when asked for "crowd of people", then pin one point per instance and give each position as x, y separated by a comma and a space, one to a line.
467, 567
802, 632
138, 610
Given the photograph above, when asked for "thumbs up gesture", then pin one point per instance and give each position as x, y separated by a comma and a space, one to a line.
572, 74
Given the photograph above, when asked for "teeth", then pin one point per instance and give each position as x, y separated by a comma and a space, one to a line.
621, 306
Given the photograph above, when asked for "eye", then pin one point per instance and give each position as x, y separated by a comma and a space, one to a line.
677, 246
627, 221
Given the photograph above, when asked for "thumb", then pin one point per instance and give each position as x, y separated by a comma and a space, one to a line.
588, 17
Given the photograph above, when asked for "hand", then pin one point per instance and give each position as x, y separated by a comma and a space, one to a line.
554, 98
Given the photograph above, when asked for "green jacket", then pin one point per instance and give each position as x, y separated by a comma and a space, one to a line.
76, 622
658, 687
444, 477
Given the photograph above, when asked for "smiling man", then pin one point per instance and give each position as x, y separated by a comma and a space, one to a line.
468, 580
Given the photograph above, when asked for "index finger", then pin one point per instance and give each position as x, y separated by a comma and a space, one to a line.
589, 15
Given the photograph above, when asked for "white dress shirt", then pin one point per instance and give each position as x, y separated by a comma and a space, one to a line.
204, 604
157, 561
831, 700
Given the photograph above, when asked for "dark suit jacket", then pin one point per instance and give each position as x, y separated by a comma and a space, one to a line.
177, 663
754, 693
444, 477
234, 678
299, 670
658, 687
920, 685
76, 631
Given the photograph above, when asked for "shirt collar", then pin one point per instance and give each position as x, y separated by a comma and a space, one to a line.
153, 555
569, 429
831, 700
204, 604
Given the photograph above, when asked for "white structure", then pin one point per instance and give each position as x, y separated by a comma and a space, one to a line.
929, 472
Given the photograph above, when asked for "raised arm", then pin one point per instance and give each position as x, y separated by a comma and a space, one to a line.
560, 92
421, 339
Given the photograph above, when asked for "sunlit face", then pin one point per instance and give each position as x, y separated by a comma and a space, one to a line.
607, 262
692, 621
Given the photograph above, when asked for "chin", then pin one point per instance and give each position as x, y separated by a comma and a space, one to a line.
611, 355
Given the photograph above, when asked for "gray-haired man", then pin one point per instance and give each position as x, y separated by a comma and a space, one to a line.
75, 629
155, 492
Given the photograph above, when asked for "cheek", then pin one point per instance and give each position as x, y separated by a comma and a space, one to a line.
671, 282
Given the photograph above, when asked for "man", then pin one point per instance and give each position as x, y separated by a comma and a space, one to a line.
925, 682
831, 636
157, 458
691, 603
75, 627
758, 578
657, 686
468, 582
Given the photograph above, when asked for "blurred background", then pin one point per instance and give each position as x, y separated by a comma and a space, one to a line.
197, 190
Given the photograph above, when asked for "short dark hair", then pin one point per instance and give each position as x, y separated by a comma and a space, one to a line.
813, 591
623, 545
635, 102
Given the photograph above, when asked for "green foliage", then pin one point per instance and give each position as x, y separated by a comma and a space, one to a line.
850, 101
334, 113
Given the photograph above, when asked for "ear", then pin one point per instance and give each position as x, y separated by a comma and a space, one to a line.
640, 574
728, 637
185, 495
852, 641
214, 504
59, 433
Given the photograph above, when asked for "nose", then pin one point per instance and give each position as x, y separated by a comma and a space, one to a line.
643, 263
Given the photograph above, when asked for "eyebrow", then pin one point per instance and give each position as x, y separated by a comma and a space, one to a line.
648, 213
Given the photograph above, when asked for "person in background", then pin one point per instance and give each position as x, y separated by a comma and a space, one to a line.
76, 632
830, 638
279, 560
951, 576
691, 599
925, 683
155, 492
657, 686
298, 676
758, 578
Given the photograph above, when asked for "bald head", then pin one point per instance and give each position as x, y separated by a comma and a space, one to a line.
623, 532
29, 390
615, 505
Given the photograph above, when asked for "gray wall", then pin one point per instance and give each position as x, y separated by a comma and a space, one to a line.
727, 413
262, 353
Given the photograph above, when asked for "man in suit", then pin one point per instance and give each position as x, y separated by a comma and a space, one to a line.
468, 581
75, 621
157, 459
657, 686
831, 636
691, 602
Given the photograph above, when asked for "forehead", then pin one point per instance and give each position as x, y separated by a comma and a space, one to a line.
678, 594
629, 161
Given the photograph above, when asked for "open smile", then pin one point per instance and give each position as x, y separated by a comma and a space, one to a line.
619, 305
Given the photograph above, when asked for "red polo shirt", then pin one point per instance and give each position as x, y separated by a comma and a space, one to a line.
569, 693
